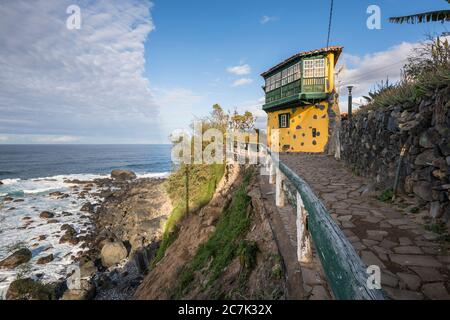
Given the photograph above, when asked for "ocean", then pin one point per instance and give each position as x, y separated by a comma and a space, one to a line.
29, 173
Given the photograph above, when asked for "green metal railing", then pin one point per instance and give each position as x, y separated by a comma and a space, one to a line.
344, 270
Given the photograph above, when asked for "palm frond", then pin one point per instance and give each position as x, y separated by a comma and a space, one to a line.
441, 16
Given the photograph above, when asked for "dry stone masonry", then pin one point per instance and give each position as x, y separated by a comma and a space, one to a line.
373, 139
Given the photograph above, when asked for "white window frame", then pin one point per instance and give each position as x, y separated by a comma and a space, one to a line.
284, 120
319, 68
284, 77
314, 68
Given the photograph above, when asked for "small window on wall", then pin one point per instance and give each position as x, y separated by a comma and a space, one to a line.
283, 120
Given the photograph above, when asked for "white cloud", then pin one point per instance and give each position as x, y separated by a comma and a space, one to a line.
240, 70
169, 98
177, 107
242, 82
44, 139
255, 107
88, 82
267, 19
364, 72
55, 139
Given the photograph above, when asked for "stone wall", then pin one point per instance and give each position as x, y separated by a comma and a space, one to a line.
372, 141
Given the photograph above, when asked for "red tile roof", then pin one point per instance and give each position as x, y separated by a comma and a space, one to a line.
335, 49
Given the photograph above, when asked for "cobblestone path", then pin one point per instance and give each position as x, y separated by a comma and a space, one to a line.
284, 225
414, 263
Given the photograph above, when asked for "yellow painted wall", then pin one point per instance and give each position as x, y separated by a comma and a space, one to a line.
330, 72
299, 136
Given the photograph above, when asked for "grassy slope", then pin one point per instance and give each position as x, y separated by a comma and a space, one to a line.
203, 180
224, 244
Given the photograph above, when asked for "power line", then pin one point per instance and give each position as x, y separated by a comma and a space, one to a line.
367, 75
329, 23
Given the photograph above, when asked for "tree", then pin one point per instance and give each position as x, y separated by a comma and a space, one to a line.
439, 15
245, 121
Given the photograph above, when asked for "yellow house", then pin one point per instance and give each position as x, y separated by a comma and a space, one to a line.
301, 101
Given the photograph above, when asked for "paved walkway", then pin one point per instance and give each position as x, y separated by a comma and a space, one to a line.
309, 277
414, 264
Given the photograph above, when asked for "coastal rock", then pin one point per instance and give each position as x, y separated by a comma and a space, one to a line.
17, 258
123, 175
46, 215
113, 253
29, 289
87, 207
70, 236
87, 268
45, 260
58, 195
1, 182
86, 292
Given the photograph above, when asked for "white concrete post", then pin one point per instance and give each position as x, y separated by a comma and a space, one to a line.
279, 193
271, 172
304, 253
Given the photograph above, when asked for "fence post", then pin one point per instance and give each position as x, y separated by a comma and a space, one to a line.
271, 172
304, 254
279, 193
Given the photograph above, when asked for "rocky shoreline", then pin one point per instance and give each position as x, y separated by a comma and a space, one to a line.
126, 223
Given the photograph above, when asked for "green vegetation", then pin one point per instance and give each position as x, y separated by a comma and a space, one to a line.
427, 69
224, 244
386, 196
29, 289
203, 180
414, 210
441, 229
16, 246
247, 254
438, 15
277, 270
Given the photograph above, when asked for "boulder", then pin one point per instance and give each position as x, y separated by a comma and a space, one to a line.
1, 182
113, 253
70, 236
123, 175
436, 210
445, 148
87, 207
429, 139
56, 194
425, 158
423, 190
46, 215
45, 260
87, 268
29, 289
85, 292
17, 258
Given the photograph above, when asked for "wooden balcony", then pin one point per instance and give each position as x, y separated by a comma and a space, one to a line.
303, 91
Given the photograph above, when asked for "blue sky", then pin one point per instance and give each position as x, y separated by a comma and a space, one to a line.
137, 70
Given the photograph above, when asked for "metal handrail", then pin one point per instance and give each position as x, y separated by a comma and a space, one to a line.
345, 271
